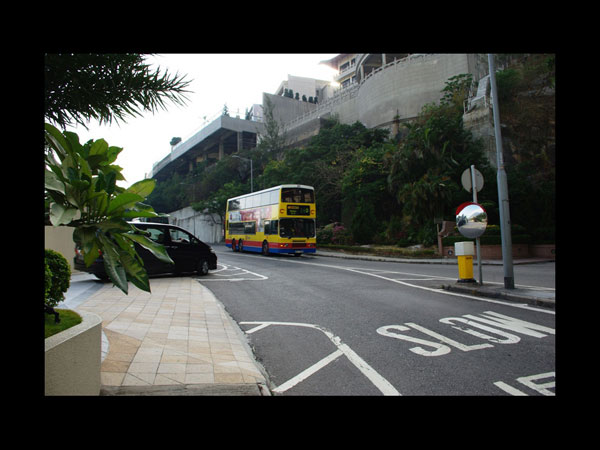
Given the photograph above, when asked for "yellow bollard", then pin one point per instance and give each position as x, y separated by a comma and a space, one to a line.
464, 252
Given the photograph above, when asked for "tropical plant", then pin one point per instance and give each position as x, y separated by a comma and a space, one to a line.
81, 192
105, 87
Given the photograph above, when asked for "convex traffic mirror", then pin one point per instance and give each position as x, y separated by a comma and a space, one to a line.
471, 220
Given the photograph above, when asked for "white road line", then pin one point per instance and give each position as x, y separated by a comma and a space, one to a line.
439, 291
456, 294
380, 383
237, 272
367, 270
507, 388
255, 329
308, 372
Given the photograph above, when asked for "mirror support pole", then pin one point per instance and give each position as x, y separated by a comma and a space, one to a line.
509, 280
477, 243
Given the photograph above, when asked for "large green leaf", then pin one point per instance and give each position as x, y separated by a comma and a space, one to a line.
91, 254
122, 201
56, 141
135, 213
99, 147
157, 250
143, 187
83, 236
114, 269
114, 226
111, 155
53, 183
59, 215
135, 271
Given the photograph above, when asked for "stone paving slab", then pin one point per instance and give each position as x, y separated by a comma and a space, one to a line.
178, 335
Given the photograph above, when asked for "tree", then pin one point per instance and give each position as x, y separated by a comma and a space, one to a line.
217, 203
105, 87
425, 170
274, 138
366, 198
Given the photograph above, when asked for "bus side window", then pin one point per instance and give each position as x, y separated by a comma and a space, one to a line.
249, 227
267, 226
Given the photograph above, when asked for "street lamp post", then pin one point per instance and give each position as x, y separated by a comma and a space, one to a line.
251, 170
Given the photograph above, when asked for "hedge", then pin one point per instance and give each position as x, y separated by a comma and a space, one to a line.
60, 277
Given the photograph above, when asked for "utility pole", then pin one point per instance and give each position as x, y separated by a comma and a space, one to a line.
503, 206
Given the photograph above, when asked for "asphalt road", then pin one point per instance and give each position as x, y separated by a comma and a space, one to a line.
328, 326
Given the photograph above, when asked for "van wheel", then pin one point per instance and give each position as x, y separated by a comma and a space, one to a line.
265, 248
203, 267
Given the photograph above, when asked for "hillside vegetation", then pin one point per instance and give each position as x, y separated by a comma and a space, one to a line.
373, 188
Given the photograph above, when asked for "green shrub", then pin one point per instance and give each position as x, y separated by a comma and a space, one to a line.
364, 223
341, 235
334, 233
60, 277
47, 281
325, 234
544, 235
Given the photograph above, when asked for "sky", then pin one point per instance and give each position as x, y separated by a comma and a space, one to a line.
237, 80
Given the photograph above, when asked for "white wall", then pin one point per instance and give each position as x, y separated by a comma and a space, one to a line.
206, 227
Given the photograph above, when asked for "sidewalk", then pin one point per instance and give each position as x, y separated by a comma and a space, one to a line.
177, 340
536, 297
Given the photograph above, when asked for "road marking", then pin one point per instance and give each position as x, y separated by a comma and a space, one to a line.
497, 320
439, 291
232, 273
539, 288
308, 372
378, 381
542, 388
507, 388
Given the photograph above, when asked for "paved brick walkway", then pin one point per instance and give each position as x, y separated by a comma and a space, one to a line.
177, 335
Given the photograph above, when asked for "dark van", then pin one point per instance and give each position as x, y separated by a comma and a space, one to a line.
189, 253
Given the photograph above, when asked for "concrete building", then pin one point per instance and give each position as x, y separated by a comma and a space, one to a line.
302, 86
223, 136
380, 90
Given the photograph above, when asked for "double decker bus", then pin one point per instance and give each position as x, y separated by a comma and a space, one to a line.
280, 219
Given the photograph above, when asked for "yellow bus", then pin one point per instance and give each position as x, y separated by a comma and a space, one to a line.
280, 219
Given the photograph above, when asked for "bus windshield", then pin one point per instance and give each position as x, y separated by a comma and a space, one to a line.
297, 228
297, 195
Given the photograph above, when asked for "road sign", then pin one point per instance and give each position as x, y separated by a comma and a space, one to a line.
465, 179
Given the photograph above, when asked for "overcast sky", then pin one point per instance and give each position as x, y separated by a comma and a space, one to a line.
237, 80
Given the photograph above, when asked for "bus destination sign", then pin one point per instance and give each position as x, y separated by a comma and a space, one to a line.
298, 210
